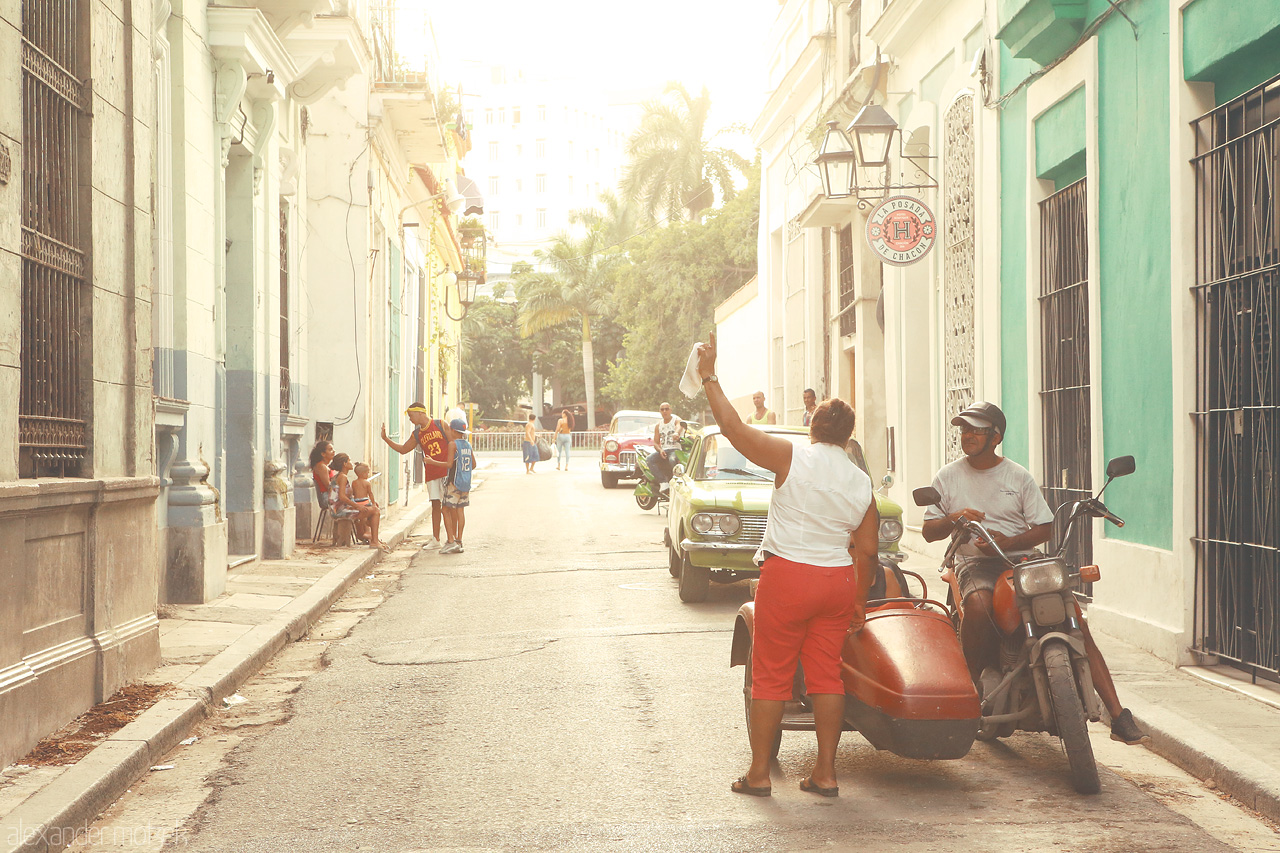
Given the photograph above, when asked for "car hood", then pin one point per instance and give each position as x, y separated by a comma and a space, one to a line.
745, 496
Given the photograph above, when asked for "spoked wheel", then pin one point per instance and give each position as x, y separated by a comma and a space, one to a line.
646, 502
1068, 712
746, 701
695, 581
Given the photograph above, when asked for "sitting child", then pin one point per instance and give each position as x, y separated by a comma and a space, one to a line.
362, 492
342, 499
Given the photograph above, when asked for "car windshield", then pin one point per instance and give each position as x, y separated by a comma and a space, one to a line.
632, 425
722, 461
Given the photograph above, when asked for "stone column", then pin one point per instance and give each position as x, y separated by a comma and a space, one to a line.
196, 570
280, 524
306, 512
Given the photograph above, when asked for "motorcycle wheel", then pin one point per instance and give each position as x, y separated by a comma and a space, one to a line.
646, 502
694, 581
746, 701
609, 481
673, 561
1068, 712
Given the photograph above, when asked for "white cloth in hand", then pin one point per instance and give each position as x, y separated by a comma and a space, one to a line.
691, 382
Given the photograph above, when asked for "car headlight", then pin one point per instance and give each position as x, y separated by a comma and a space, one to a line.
1041, 576
715, 523
890, 529
611, 446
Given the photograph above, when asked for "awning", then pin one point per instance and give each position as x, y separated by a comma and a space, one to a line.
468, 188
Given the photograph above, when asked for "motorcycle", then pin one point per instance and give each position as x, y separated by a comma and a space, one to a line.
649, 492
1043, 683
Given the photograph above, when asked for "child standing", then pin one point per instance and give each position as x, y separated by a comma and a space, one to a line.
457, 490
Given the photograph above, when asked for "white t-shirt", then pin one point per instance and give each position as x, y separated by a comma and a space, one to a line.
1007, 493
667, 434
823, 500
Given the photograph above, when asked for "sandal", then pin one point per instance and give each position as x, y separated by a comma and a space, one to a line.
741, 787
808, 785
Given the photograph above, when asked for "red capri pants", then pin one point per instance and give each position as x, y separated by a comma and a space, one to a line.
802, 612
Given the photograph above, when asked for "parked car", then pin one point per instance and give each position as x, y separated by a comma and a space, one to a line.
719, 506
630, 433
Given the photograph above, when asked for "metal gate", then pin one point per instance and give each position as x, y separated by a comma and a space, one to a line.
1064, 358
1237, 415
958, 266
52, 429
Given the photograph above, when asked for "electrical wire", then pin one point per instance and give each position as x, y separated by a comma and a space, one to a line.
355, 294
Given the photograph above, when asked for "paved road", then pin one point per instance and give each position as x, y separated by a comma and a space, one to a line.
547, 691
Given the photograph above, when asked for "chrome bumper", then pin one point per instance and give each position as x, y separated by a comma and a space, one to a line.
618, 468
719, 547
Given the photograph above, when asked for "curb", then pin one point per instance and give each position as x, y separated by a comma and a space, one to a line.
1209, 757
54, 816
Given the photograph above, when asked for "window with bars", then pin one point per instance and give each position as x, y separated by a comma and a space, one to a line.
52, 411
1237, 417
1064, 359
286, 394
846, 260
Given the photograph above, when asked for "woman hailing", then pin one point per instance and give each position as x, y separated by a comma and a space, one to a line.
819, 559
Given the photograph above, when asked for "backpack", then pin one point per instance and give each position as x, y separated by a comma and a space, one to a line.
463, 462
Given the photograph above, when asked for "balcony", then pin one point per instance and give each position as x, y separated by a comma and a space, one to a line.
474, 251
402, 48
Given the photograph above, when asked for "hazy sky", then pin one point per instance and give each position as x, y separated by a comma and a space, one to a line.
618, 45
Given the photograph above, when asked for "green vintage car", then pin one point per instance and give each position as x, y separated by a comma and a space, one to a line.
718, 510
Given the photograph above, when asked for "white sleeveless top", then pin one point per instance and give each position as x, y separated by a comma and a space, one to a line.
823, 500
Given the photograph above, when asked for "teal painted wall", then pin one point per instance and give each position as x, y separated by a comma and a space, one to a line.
1060, 140
1014, 358
1134, 249
1234, 44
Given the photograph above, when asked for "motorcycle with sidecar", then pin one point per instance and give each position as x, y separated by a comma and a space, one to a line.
1043, 682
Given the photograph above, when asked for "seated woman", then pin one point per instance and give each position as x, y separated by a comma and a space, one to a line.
343, 503
321, 455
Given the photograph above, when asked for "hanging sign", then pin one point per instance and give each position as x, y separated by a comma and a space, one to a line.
901, 230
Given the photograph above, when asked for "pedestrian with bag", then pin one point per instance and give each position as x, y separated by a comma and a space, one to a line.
529, 448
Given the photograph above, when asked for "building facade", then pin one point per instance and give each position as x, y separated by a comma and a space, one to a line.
78, 487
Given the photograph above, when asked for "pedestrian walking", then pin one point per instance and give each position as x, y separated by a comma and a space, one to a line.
818, 559
437, 455
530, 446
564, 438
457, 490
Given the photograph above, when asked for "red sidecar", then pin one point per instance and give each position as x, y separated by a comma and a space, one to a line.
907, 688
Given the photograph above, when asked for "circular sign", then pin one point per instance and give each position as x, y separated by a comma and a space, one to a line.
901, 230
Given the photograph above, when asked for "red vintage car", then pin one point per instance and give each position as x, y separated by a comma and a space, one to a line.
630, 433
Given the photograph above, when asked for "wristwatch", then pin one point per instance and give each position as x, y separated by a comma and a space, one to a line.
711, 378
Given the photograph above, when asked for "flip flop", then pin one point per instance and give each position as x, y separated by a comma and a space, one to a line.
741, 787
807, 784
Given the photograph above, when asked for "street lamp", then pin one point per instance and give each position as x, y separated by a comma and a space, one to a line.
836, 162
465, 286
873, 129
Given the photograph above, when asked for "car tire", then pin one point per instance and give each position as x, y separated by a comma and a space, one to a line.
746, 702
609, 481
695, 581
673, 560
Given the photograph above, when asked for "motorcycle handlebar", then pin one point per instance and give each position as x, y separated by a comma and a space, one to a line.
969, 526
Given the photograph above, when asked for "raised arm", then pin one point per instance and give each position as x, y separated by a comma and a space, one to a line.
767, 451
399, 448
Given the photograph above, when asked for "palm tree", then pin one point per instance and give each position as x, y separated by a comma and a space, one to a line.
576, 286
672, 168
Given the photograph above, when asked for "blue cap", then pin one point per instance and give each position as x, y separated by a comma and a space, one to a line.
458, 425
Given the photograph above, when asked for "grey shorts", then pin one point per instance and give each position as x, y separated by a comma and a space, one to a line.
982, 572
435, 489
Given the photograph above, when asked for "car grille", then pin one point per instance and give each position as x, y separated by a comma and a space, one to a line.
752, 529
627, 457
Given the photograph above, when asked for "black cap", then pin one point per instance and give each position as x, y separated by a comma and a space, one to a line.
980, 413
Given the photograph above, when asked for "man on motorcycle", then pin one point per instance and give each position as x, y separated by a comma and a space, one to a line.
1015, 512
666, 441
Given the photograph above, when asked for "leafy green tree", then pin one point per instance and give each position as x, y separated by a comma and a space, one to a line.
674, 168
496, 361
576, 287
667, 294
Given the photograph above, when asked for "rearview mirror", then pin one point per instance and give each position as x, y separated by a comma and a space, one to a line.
678, 470
926, 496
887, 481
1121, 466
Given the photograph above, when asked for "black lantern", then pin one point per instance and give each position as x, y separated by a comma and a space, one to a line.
465, 286
836, 162
873, 129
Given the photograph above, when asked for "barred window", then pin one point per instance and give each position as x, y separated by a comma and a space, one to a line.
53, 418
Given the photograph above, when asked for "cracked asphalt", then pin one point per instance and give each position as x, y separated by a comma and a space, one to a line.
546, 690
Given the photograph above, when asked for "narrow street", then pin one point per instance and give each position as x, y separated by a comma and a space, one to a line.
547, 691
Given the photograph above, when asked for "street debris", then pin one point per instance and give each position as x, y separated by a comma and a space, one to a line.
162, 767
188, 741
76, 739
233, 700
